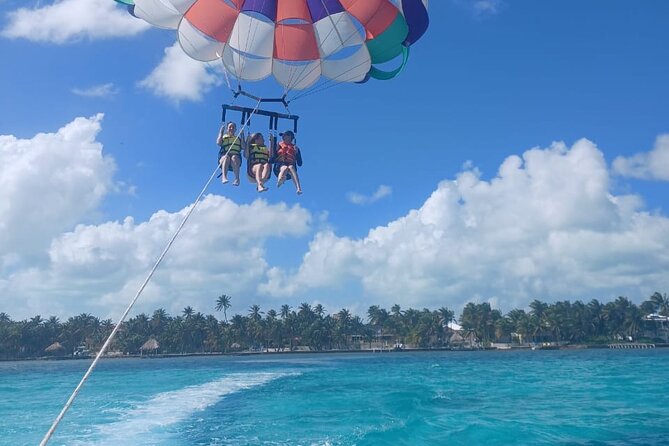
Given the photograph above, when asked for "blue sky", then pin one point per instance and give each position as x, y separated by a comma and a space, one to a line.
523, 153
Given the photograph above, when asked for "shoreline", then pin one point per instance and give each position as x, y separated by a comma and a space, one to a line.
335, 352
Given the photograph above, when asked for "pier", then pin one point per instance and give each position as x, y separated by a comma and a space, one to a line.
631, 346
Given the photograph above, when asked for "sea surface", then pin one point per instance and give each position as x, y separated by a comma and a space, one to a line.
585, 397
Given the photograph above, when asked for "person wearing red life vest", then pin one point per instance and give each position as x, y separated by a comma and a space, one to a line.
230, 154
287, 158
258, 157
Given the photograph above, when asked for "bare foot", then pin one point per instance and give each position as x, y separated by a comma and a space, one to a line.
299, 192
262, 189
280, 181
224, 180
236, 182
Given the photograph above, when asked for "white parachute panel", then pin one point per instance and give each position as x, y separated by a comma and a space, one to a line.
296, 76
245, 67
351, 69
198, 45
158, 13
336, 32
252, 36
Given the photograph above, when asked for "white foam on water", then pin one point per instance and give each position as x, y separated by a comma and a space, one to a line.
143, 424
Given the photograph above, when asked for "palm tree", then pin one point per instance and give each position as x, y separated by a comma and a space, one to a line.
344, 315
255, 327
272, 326
213, 341
446, 316
520, 324
158, 320
503, 329
343, 327
595, 316
289, 319
661, 303
238, 329
223, 303
373, 314
396, 310
305, 311
188, 312
538, 313
52, 324
254, 311
285, 311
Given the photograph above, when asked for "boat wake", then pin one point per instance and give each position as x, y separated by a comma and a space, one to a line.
149, 422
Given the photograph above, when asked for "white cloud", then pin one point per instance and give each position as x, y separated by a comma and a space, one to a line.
360, 199
49, 183
52, 264
547, 226
653, 165
70, 20
487, 7
97, 91
178, 77
482, 8
98, 268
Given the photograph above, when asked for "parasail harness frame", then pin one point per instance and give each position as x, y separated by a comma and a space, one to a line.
248, 112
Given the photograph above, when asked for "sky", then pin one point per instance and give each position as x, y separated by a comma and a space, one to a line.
522, 154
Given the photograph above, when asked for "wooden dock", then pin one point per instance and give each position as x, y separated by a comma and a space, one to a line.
627, 346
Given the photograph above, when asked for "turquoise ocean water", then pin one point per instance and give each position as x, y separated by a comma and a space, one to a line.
589, 397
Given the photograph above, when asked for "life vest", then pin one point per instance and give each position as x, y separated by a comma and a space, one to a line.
286, 153
258, 154
231, 145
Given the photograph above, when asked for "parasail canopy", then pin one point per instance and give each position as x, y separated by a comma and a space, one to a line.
298, 42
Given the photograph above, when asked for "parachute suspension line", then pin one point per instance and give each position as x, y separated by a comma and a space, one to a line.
287, 87
105, 346
302, 75
227, 77
327, 84
225, 72
249, 42
334, 81
334, 25
236, 57
331, 82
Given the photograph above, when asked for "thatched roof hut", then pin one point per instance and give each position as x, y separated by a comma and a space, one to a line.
151, 344
56, 347
457, 338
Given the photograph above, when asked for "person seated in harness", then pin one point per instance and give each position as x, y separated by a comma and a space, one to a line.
286, 160
230, 154
258, 156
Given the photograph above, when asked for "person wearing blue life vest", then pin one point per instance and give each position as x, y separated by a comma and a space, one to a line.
258, 157
230, 154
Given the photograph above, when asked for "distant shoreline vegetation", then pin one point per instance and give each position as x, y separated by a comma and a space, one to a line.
308, 328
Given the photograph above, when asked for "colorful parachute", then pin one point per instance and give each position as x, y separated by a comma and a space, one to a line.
299, 42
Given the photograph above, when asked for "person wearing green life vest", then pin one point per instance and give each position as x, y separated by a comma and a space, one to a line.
230, 154
258, 157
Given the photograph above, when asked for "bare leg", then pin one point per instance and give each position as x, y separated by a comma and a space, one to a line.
296, 179
265, 173
256, 175
257, 171
236, 163
282, 176
225, 162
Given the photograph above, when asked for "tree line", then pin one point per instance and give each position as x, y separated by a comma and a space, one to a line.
310, 326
